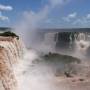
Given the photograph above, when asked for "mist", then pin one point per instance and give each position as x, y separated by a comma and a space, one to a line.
30, 21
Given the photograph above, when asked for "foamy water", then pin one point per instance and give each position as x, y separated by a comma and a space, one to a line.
34, 76
42, 76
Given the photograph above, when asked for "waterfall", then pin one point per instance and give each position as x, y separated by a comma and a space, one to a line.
20, 67
68, 42
82, 44
49, 43
11, 50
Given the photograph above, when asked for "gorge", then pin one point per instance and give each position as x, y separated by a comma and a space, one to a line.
32, 69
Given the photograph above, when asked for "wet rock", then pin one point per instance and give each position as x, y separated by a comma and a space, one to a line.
81, 79
67, 74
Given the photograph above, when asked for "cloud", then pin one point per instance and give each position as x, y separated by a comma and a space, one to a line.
49, 21
87, 16
82, 21
77, 21
33, 19
70, 17
5, 8
54, 3
29, 22
3, 18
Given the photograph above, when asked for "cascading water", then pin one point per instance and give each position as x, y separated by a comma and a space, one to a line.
49, 41
36, 73
82, 44
66, 42
10, 53
30, 70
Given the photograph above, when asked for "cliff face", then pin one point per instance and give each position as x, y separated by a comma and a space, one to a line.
11, 50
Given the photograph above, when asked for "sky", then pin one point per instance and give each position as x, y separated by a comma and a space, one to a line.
45, 13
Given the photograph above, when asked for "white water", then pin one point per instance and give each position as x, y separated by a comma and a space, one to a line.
82, 45
10, 51
31, 76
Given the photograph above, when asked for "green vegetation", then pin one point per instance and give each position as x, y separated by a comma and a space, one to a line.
60, 58
9, 33
5, 28
61, 64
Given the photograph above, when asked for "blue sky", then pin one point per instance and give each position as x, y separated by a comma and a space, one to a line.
59, 13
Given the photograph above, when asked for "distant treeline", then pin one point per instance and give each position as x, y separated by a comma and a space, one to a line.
64, 29
5, 29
